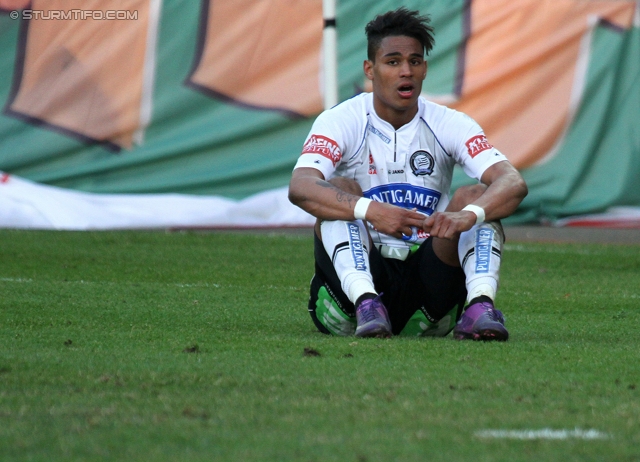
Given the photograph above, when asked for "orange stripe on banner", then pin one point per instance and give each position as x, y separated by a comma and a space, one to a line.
520, 69
263, 54
14, 4
85, 76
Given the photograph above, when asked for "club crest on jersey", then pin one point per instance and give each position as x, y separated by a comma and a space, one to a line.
409, 196
326, 147
477, 144
372, 165
421, 163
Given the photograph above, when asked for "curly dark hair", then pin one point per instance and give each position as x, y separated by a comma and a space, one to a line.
395, 23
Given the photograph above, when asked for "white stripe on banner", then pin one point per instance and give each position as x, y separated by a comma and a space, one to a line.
543, 434
25, 204
28, 205
148, 83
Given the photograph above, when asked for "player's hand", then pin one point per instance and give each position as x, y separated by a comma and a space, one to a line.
393, 220
448, 225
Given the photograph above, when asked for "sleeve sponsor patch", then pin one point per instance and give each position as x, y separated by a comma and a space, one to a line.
477, 144
326, 147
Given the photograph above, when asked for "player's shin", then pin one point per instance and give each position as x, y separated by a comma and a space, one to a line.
347, 243
480, 251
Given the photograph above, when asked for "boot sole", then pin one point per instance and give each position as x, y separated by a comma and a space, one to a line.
376, 332
483, 335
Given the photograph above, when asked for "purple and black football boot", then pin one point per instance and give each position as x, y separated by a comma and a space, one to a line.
481, 321
372, 319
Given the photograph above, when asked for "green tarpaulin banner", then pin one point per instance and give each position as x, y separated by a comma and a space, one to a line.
214, 98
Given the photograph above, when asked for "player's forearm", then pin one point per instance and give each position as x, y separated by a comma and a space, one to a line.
503, 196
322, 199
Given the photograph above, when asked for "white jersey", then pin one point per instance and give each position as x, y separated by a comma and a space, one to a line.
411, 167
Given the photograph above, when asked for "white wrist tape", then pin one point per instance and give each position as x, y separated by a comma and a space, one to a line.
479, 212
360, 210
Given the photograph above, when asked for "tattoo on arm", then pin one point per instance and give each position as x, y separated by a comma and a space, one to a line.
341, 196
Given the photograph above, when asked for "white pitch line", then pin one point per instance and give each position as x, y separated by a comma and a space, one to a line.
527, 249
543, 434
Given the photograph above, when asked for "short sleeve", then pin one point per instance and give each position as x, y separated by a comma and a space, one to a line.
333, 137
466, 141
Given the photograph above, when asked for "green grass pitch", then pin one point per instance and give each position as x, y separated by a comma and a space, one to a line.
154, 346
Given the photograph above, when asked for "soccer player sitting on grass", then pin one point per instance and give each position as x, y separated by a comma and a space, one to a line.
376, 172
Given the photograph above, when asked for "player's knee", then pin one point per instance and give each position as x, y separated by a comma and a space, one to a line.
347, 185
464, 196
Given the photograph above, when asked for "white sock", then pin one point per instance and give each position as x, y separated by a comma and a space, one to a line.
347, 243
480, 250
